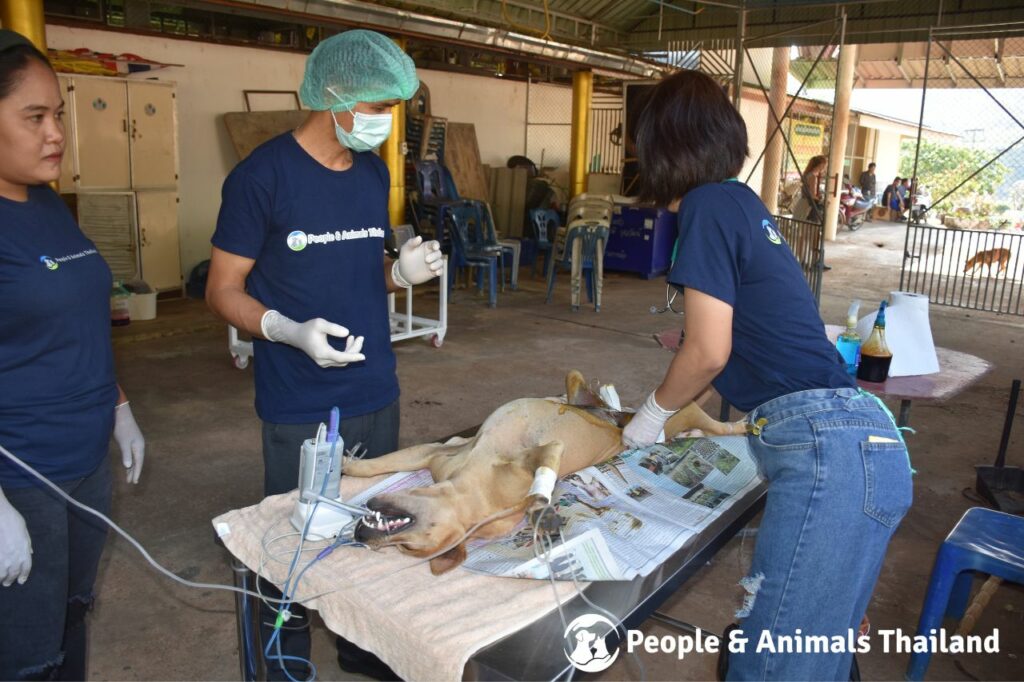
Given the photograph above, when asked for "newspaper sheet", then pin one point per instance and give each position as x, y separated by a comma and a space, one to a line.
621, 518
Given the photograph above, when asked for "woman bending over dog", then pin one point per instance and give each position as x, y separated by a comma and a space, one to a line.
836, 464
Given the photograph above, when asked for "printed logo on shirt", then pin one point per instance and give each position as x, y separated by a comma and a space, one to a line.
298, 240
769, 230
54, 263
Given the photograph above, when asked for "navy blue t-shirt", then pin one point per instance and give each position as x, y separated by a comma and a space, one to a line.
57, 388
317, 236
730, 248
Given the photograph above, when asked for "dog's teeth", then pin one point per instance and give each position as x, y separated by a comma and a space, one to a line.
405, 519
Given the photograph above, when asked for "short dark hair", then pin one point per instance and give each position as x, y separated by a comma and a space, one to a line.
871, 165
688, 134
15, 53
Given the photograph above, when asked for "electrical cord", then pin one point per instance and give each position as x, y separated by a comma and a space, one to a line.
544, 540
124, 534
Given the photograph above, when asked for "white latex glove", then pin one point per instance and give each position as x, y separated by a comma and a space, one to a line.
418, 262
15, 545
129, 439
311, 338
647, 425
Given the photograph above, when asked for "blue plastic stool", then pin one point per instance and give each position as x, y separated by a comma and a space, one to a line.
983, 540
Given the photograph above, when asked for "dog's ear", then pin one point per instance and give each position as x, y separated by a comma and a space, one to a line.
449, 560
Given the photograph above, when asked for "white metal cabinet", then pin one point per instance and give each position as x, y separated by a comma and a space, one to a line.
101, 134
158, 238
122, 146
67, 164
151, 128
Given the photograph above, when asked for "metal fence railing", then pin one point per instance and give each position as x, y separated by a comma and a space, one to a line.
807, 242
606, 139
980, 270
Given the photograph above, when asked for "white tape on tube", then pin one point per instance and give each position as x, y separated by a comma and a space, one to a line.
543, 483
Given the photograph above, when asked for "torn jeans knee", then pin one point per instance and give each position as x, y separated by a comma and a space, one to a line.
43, 671
751, 584
78, 606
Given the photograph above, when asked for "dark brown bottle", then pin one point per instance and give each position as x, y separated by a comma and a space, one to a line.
875, 356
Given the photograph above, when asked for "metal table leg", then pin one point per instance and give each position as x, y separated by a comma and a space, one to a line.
250, 658
904, 413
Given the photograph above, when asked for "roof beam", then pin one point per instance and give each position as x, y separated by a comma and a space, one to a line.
1000, 45
899, 66
949, 69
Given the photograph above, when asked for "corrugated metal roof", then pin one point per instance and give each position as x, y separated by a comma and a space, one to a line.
953, 64
642, 25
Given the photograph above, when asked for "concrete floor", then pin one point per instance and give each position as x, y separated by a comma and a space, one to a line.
203, 459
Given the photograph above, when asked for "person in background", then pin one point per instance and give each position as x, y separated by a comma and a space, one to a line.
904, 192
891, 197
867, 183
811, 205
298, 262
831, 453
59, 401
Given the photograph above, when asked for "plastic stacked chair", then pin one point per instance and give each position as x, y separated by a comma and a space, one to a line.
434, 189
474, 244
984, 541
579, 246
545, 223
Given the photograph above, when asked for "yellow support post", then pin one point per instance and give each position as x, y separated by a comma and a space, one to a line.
25, 17
582, 88
393, 154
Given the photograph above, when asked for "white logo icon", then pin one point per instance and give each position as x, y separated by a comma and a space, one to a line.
584, 643
297, 240
771, 232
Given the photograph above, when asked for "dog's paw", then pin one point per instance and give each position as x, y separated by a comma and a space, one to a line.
545, 520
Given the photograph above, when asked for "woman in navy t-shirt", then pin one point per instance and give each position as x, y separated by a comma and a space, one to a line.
838, 472
59, 401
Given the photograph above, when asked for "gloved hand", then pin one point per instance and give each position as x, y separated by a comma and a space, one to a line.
15, 545
647, 424
311, 338
418, 262
129, 439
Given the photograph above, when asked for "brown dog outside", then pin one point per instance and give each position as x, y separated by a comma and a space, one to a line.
1000, 257
490, 474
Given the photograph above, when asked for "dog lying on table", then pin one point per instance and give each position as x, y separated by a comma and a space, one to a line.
480, 477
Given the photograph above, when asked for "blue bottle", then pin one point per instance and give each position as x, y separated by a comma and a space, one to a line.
848, 342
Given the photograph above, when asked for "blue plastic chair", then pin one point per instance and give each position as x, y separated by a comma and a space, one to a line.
592, 237
468, 223
984, 541
545, 223
435, 189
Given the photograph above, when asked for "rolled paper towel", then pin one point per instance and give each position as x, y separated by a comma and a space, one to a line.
908, 333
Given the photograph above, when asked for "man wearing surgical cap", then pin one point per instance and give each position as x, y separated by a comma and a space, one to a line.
298, 261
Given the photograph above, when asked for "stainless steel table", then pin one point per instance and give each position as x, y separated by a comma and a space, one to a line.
535, 652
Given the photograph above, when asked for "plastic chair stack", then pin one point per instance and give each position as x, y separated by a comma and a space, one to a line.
579, 246
983, 541
434, 190
474, 244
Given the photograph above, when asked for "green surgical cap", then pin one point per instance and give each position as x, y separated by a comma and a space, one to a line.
357, 66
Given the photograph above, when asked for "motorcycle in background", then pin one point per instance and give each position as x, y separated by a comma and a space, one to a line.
853, 207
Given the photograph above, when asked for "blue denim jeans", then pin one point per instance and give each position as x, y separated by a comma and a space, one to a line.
378, 434
839, 484
42, 623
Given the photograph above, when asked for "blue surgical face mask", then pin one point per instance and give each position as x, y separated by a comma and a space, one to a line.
369, 131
